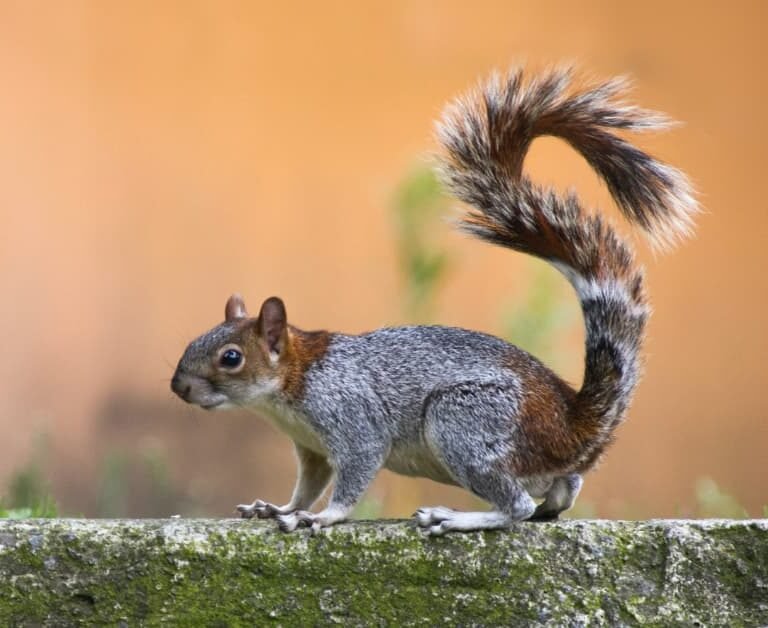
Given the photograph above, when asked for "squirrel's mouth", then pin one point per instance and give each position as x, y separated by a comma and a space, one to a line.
214, 401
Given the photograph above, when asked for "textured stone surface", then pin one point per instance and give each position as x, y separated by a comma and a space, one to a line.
230, 572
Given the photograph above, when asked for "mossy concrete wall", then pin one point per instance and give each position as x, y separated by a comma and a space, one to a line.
231, 572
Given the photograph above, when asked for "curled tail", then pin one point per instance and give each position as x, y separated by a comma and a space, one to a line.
485, 137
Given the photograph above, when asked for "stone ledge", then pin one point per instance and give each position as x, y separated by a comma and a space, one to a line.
63, 572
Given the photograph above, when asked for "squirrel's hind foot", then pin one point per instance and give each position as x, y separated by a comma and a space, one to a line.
560, 497
543, 516
439, 520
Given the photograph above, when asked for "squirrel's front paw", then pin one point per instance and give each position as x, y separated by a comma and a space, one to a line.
261, 509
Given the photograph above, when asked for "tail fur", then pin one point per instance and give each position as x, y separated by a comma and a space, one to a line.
485, 137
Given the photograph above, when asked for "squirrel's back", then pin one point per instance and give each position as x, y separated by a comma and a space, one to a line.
421, 358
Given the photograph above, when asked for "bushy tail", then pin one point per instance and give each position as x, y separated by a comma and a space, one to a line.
485, 136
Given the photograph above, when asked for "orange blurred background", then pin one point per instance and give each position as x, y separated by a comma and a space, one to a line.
156, 157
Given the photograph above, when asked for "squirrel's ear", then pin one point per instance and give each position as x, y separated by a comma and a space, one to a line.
235, 308
272, 324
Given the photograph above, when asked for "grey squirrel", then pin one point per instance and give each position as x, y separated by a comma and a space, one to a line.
458, 406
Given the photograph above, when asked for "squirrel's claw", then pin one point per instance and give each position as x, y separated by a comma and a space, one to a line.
247, 511
265, 510
261, 509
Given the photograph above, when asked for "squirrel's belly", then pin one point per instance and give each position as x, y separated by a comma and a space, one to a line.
417, 460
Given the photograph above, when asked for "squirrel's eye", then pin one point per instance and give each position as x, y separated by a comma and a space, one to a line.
231, 358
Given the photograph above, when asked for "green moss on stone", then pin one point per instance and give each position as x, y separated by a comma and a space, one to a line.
232, 572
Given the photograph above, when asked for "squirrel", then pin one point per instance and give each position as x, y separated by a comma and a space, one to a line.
462, 407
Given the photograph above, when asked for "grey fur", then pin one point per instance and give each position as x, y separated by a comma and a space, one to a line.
459, 406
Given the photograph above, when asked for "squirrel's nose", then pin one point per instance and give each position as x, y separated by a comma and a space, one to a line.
180, 386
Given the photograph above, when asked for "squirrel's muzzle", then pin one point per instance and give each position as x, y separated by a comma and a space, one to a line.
181, 386
197, 390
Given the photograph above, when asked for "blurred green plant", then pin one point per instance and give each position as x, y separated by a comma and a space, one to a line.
45, 509
28, 493
537, 323
137, 482
165, 496
418, 205
144, 473
713, 502
112, 498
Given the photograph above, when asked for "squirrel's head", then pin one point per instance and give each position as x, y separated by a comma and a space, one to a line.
237, 362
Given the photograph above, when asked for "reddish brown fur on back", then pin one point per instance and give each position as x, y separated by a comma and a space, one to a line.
552, 432
302, 351
547, 435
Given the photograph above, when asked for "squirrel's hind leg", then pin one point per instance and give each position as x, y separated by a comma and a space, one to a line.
513, 503
560, 496
468, 427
